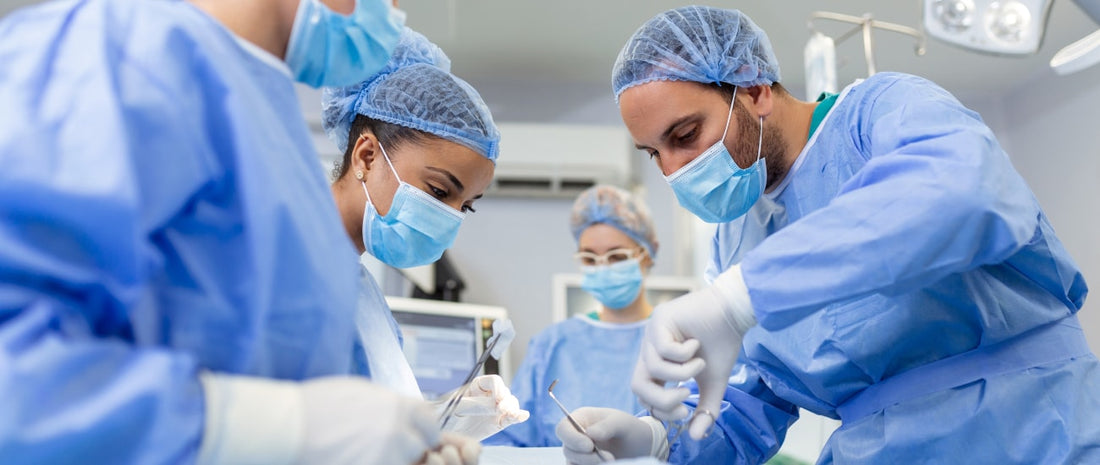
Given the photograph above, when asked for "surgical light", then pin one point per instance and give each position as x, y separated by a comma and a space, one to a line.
1008, 21
955, 15
1003, 27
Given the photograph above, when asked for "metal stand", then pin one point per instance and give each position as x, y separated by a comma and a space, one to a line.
865, 24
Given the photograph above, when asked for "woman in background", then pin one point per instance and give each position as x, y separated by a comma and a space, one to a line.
592, 354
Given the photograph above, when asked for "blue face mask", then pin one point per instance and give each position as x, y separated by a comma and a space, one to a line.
713, 187
329, 49
616, 285
415, 231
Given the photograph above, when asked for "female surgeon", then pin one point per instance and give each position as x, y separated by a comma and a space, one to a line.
878, 260
420, 148
174, 283
592, 355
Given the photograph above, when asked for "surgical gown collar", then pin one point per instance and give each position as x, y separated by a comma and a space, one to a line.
609, 325
252, 49
773, 195
261, 54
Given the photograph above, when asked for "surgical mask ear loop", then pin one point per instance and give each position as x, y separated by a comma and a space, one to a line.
760, 141
729, 116
388, 162
394, 170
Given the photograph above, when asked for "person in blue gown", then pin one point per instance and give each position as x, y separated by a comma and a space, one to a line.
878, 260
592, 355
412, 124
175, 286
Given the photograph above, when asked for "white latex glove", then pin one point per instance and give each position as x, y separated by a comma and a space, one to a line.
335, 420
507, 333
696, 335
616, 432
454, 449
487, 408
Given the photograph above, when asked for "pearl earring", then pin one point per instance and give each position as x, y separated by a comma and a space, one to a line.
359, 175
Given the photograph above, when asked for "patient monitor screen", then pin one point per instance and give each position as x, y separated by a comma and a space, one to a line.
441, 349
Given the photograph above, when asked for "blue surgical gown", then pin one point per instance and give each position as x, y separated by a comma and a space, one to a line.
902, 236
592, 361
163, 212
377, 353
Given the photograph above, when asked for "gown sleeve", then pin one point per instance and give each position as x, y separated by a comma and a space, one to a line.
92, 168
936, 196
750, 427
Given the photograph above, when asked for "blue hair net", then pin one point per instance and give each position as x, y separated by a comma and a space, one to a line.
700, 44
415, 90
616, 208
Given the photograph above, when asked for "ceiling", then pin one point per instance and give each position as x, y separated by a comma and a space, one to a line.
578, 40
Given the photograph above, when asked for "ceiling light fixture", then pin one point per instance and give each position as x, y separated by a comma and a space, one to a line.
1078, 55
1000, 27
1083, 53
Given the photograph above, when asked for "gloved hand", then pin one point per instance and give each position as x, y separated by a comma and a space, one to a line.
619, 433
696, 335
487, 408
334, 420
454, 449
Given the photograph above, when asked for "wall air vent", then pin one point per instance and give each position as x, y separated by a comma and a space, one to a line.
551, 160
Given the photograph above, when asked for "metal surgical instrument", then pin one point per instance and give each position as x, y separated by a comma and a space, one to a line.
604, 456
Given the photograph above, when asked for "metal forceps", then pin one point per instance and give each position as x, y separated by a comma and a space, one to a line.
679, 427
682, 425
604, 456
452, 404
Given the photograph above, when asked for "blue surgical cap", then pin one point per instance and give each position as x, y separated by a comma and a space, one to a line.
415, 90
616, 208
699, 44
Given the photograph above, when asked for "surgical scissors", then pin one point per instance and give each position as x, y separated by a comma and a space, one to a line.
682, 425
604, 456
679, 426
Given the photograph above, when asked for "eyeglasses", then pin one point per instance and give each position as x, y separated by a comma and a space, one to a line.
610, 257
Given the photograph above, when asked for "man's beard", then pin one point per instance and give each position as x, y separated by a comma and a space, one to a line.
773, 149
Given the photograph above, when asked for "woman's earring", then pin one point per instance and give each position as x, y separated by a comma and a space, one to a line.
359, 174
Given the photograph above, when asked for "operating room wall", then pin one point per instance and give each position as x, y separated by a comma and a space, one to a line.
1052, 128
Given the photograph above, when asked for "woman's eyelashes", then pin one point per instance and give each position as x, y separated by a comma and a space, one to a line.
442, 194
438, 192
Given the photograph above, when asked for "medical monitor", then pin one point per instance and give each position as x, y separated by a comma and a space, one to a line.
443, 341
